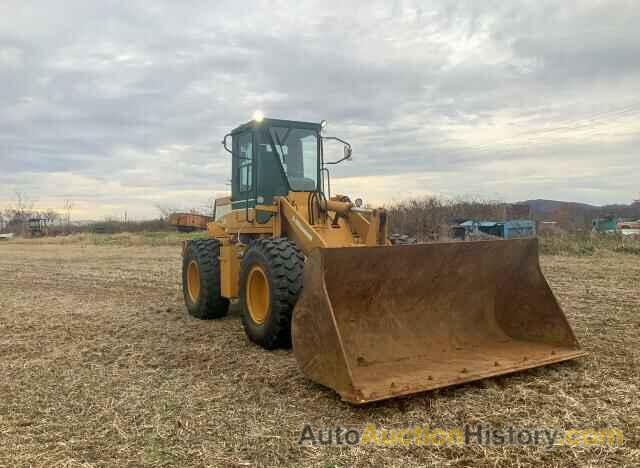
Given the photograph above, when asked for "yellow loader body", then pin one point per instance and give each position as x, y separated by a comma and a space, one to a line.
366, 318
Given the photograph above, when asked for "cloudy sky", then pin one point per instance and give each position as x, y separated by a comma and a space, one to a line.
121, 105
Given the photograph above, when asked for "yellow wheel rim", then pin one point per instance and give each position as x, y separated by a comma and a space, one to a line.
193, 281
258, 295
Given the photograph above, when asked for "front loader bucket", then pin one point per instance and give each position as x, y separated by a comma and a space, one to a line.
378, 322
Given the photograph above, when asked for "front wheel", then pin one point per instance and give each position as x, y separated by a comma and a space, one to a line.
201, 280
270, 283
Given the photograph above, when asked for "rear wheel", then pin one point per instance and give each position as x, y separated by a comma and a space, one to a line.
270, 283
201, 280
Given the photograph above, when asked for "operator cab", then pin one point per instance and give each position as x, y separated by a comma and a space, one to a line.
272, 157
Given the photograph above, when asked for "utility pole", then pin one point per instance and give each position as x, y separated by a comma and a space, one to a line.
68, 206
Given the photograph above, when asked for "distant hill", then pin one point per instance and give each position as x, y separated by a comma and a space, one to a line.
542, 206
578, 214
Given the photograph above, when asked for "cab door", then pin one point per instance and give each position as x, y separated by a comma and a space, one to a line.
243, 168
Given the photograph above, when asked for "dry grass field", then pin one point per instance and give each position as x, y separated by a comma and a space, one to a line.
101, 366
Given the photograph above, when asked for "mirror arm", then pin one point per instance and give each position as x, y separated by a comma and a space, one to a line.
338, 161
336, 139
347, 145
224, 142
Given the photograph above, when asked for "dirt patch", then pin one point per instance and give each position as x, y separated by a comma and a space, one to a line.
101, 366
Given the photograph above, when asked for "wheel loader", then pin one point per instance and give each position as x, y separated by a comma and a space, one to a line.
371, 320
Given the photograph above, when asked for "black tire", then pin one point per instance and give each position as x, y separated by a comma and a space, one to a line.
282, 264
208, 303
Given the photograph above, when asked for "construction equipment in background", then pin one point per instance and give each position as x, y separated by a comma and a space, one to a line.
402, 239
512, 229
366, 318
604, 225
38, 227
189, 222
629, 228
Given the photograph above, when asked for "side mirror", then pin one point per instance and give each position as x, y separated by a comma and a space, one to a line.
347, 151
224, 142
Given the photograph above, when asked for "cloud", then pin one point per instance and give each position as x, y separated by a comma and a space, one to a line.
121, 106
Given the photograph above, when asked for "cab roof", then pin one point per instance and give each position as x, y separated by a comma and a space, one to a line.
252, 124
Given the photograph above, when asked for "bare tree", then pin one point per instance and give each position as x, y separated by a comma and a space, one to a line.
424, 217
51, 216
165, 211
68, 207
23, 202
19, 212
22, 206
